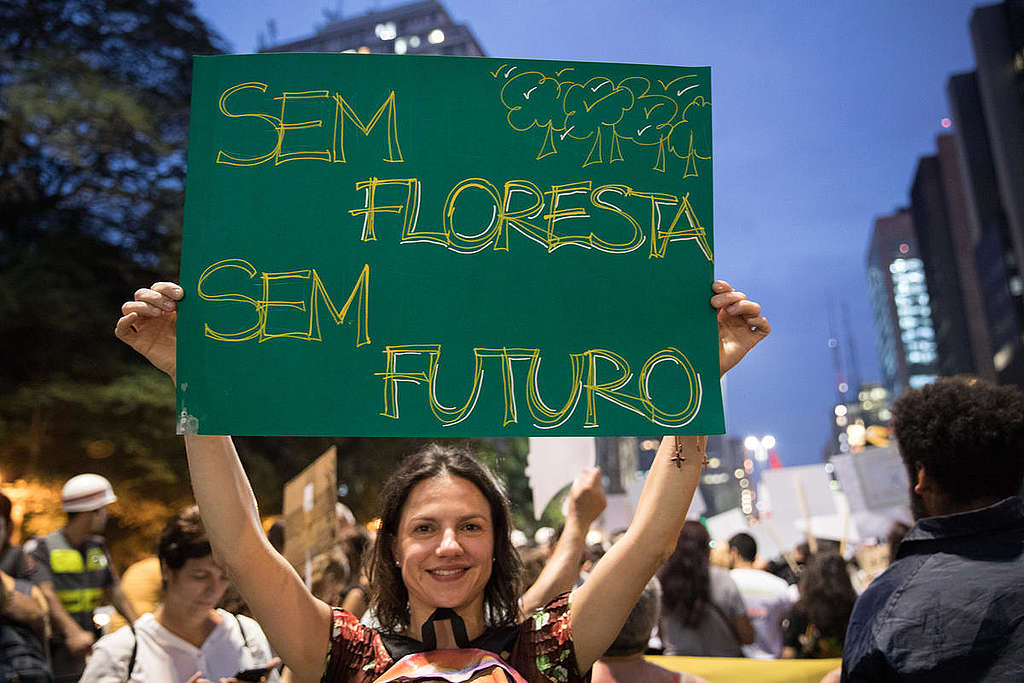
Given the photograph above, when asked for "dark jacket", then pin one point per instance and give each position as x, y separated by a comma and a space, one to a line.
950, 608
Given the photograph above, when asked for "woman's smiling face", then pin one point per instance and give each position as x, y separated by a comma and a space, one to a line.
445, 547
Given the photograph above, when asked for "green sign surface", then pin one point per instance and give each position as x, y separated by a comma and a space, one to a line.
430, 246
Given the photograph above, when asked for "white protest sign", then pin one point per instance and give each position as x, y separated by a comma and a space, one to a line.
767, 547
796, 494
878, 523
874, 479
834, 527
618, 513
697, 507
725, 525
553, 463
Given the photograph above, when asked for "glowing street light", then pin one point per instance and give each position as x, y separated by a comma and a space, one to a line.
760, 446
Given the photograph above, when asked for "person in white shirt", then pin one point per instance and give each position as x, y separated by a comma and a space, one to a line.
186, 639
766, 596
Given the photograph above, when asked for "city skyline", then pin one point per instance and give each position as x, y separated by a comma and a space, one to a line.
820, 116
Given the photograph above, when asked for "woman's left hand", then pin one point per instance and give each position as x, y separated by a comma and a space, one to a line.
740, 324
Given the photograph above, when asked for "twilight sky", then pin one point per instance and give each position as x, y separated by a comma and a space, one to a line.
820, 113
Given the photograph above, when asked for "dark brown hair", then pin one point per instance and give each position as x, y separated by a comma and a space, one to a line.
389, 598
183, 538
329, 567
686, 578
826, 594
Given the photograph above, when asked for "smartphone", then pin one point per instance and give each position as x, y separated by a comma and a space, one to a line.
253, 675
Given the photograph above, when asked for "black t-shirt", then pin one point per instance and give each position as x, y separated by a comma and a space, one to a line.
22, 655
18, 564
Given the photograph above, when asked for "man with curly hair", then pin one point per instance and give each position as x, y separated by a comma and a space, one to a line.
951, 606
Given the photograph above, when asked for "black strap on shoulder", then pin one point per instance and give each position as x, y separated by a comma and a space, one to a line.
245, 638
135, 650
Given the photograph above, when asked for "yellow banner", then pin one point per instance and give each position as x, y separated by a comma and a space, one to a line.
733, 670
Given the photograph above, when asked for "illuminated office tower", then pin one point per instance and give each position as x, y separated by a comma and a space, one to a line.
943, 238
901, 304
416, 28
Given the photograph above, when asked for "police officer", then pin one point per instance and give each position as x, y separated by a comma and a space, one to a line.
77, 573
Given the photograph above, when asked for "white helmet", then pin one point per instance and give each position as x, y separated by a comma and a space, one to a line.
86, 492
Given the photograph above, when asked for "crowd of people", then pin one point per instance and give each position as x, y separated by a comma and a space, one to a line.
437, 588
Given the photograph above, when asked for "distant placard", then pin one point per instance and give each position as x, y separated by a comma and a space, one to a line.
430, 246
798, 496
874, 479
725, 525
309, 501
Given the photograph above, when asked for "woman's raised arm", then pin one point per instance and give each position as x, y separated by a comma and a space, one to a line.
296, 623
603, 602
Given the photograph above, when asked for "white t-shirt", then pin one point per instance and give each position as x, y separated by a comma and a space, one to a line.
162, 657
768, 600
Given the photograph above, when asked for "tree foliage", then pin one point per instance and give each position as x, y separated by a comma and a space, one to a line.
94, 102
94, 98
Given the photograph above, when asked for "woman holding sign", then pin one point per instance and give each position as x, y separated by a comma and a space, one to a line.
444, 574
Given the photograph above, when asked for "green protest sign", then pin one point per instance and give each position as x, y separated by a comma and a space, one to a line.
429, 246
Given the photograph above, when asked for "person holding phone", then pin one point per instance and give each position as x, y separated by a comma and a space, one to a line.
186, 638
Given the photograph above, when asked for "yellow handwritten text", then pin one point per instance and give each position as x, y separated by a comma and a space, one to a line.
510, 211
584, 383
331, 140
310, 305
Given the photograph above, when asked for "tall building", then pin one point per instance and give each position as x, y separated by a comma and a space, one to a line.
964, 228
997, 33
416, 28
998, 271
901, 305
938, 240
966, 270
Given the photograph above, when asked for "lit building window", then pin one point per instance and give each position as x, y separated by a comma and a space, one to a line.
436, 36
1016, 286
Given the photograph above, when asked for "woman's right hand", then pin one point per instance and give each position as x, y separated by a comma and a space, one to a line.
149, 324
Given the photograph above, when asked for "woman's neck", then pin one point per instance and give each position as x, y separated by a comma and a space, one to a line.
192, 627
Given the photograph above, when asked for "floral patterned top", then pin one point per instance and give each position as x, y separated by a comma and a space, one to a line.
536, 650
